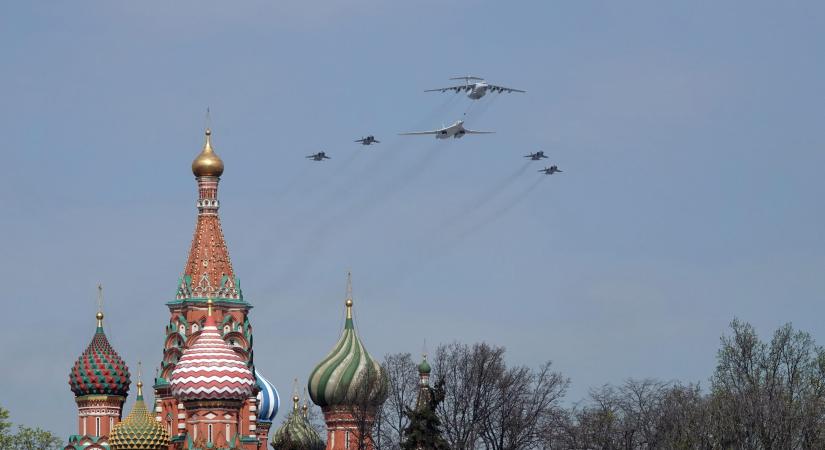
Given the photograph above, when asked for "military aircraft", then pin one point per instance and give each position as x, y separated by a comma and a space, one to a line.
455, 130
536, 156
368, 140
320, 156
550, 170
475, 90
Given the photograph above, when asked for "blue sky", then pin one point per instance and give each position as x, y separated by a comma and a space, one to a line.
690, 134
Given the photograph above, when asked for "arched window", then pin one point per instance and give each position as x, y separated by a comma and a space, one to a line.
111, 424
182, 329
169, 426
209, 433
195, 328
346, 442
227, 433
84, 426
194, 432
97, 426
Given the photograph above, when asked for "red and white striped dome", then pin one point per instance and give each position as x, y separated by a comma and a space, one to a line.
210, 370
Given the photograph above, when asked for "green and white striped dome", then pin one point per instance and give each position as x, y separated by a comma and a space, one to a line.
296, 432
348, 376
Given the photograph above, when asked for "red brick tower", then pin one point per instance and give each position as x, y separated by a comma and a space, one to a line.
350, 387
100, 382
208, 274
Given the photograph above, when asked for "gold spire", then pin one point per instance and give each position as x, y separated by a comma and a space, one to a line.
295, 398
140, 381
207, 163
305, 408
99, 315
349, 295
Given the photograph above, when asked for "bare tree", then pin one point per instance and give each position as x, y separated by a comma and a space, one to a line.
391, 420
526, 402
370, 393
470, 375
764, 396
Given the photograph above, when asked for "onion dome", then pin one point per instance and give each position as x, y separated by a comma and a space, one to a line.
348, 376
209, 369
99, 370
424, 368
268, 399
139, 430
207, 163
296, 432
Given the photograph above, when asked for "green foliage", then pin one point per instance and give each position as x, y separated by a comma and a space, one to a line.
35, 439
26, 438
5, 426
424, 429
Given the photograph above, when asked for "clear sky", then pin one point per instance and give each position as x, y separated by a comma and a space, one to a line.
690, 135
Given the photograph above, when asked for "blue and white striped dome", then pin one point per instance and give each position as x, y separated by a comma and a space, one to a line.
268, 399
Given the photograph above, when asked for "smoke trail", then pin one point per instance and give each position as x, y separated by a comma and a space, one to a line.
486, 196
489, 219
287, 187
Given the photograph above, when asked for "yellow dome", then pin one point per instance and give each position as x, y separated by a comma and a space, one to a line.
207, 163
139, 430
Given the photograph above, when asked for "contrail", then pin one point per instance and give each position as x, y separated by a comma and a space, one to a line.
399, 271
487, 196
502, 211
290, 184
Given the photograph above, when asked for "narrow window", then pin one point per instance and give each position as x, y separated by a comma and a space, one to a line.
209, 432
227, 433
194, 432
97, 426
84, 426
346, 442
111, 424
169, 426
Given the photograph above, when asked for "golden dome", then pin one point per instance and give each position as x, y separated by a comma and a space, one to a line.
207, 163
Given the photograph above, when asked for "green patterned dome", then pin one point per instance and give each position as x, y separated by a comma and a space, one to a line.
139, 430
296, 432
348, 375
99, 370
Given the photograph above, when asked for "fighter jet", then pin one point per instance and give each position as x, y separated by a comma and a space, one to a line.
320, 156
455, 130
550, 170
536, 156
475, 90
368, 140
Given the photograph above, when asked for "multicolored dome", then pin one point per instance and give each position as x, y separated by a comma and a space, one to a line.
348, 375
268, 399
99, 370
296, 432
139, 430
210, 370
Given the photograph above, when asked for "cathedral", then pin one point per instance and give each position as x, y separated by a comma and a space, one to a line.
207, 392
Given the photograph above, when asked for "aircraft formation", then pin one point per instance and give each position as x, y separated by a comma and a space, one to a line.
476, 88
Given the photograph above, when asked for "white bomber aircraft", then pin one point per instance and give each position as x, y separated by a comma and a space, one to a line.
475, 90
455, 130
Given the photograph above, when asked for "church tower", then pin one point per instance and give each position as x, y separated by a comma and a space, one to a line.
100, 382
349, 386
208, 279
